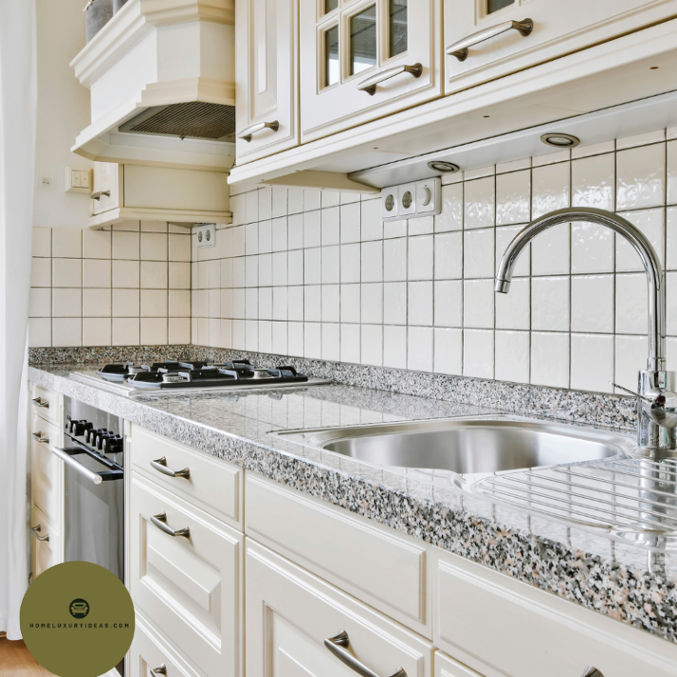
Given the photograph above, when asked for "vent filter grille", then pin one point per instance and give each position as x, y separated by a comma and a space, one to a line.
194, 119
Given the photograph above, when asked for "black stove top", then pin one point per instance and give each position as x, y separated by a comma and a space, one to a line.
197, 374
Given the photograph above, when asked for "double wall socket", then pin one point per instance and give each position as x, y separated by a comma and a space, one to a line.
206, 234
422, 198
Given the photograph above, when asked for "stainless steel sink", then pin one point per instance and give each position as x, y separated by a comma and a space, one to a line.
467, 445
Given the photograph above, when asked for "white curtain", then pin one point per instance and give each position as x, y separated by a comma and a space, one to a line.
18, 98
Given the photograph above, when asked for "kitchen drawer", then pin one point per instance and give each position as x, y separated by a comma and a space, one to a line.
448, 667
291, 614
371, 562
46, 469
214, 485
505, 628
189, 588
44, 543
148, 652
45, 404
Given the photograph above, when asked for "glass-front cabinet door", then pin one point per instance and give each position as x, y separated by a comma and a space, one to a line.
485, 39
360, 59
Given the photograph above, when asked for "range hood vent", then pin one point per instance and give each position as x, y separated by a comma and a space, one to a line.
192, 120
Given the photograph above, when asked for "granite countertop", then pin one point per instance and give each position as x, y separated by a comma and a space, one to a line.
624, 580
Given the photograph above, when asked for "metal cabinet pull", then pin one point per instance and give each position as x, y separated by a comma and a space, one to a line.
36, 532
97, 194
369, 85
592, 672
248, 132
160, 670
41, 438
339, 644
460, 49
160, 521
160, 464
39, 402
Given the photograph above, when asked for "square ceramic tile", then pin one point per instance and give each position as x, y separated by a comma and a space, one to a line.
478, 353
126, 273
67, 242
478, 253
295, 231
513, 197
479, 203
312, 266
592, 360
640, 139
395, 259
66, 272
96, 331
280, 303
279, 234
631, 352
451, 216
312, 303
179, 246
153, 330
179, 330
331, 303
505, 235
251, 335
66, 303
512, 356
154, 274
179, 275
372, 261
350, 303
238, 342
238, 240
550, 303
420, 303
41, 272
350, 342
39, 332
350, 222
350, 263
420, 265
371, 301
396, 228
550, 188
512, 309
279, 264
66, 331
96, 302
372, 344
42, 241
331, 349
592, 182
312, 229
279, 201
395, 347
395, 303
640, 174
592, 303
251, 303
330, 198
279, 338
126, 302
96, 273
550, 251
592, 248
421, 225
265, 270
251, 238
448, 254
651, 223
478, 303
126, 245
251, 206
550, 359
265, 303
448, 303
448, 351
40, 304
330, 226
372, 225
153, 303
295, 267
631, 304
251, 271
420, 348
154, 246
311, 198
265, 196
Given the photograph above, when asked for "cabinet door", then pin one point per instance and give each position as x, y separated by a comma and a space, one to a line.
266, 54
46, 471
362, 59
485, 39
45, 541
106, 184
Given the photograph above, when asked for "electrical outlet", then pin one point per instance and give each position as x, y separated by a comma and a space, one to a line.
389, 200
206, 235
429, 196
407, 199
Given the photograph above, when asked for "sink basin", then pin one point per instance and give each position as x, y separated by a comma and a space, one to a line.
467, 446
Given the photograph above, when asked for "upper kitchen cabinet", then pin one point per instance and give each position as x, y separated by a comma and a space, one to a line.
363, 59
161, 77
487, 39
267, 97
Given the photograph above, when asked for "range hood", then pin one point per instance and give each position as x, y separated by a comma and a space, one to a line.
161, 77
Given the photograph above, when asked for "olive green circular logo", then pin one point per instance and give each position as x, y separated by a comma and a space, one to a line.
77, 619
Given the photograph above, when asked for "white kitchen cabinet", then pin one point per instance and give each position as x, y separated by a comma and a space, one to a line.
129, 191
363, 59
297, 625
45, 545
445, 666
486, 39
267, 85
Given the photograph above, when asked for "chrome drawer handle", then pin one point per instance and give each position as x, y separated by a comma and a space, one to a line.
41, 438
36, 532
160, 670
369, 85
460, 49
160, 521
39, 402
160, 464
592, 672
97, 194
339, 644
248, 132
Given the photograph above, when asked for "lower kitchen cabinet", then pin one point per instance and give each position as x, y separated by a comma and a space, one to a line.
298, 625
45, 546
448, 667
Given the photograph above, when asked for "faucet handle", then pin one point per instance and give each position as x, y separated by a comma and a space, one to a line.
636, 394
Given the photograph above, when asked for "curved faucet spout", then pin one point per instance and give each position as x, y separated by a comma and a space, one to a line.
652, 266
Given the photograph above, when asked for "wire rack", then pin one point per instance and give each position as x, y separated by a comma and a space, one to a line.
634, 499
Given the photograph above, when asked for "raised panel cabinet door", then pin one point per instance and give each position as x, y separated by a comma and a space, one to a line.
486, 39
266, 78
186, 578
363, 59
299, 626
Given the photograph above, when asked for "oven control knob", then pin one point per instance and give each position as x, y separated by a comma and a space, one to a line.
112, 444
98, 438
80, 427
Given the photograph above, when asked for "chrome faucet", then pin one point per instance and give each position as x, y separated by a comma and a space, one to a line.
657, 407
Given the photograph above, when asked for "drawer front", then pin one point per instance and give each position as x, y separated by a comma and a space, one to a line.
370, 562
189, 588
290, 614
505, 628
44, 543
148, 652
46, 470
45, 404
448, 667
214, 485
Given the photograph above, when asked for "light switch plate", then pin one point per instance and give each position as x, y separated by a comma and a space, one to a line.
206, 235
78, 181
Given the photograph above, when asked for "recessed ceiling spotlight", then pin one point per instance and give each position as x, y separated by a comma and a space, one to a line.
560, 140
443, 166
